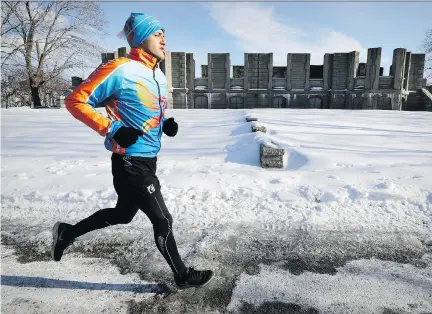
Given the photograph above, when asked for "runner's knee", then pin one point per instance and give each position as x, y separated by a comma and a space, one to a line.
163, 222
122, 214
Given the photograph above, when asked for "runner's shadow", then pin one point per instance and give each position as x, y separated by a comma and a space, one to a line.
40, 282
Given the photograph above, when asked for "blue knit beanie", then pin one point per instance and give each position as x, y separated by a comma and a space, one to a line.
138, 27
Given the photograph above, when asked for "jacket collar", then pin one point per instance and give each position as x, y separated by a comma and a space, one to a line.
140, 55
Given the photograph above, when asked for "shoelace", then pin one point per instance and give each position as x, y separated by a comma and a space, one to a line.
193, 274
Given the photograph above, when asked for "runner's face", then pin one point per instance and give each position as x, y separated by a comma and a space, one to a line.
155, 45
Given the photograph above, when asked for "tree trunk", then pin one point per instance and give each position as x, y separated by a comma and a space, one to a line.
35, 96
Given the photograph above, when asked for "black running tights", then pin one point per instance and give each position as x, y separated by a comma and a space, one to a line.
137, 188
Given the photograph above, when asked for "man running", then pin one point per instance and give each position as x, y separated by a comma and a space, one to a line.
134, 92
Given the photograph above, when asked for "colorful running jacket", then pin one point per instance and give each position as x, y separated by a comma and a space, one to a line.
133, 91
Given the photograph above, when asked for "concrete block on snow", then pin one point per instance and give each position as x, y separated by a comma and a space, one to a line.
271, 157
259, 128
272, 162
270, 151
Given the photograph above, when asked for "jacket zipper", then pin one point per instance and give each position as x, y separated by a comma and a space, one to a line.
159, 97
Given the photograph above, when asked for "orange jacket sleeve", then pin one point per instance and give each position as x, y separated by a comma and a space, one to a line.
105, 82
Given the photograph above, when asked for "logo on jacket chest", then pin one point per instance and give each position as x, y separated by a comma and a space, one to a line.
155, 121
147, 97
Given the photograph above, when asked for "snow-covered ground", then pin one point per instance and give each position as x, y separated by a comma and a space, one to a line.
344, 227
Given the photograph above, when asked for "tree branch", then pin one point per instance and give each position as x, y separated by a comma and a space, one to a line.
50, 39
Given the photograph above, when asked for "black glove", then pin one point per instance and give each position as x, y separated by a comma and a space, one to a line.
126, 136
170, 127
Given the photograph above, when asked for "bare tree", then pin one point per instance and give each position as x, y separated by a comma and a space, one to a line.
54, 88
14, 89
50, 39
427, 48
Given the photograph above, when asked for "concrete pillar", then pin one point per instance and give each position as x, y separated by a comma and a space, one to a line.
178, 75
258, 70
264, 70
327, 71
340, 71
373, 68
107, 56
204, 70
122, 52
398, 67
307, 68
228, 72
407, 70
246, 73
209, 72
190, 78
190, 72
219, 70
361, 69
298, 71
178, 69
416, 73
288, 72
270, 72
166, 67
353, 63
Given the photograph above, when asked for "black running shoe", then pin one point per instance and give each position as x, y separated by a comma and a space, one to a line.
193, 278
59, 243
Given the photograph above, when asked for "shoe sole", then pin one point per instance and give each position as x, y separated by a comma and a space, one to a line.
196, 286
55, 238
